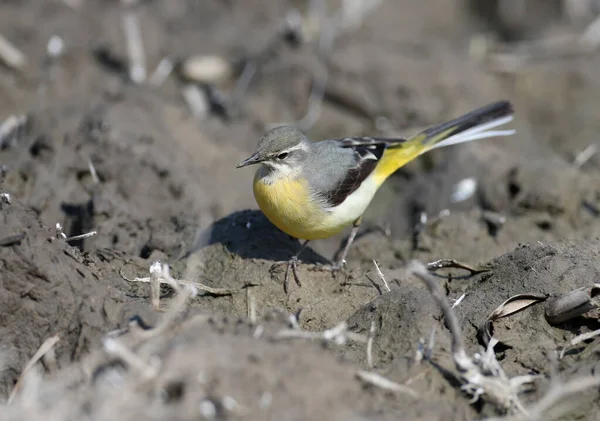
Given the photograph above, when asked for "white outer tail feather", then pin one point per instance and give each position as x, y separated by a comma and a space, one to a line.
478, 132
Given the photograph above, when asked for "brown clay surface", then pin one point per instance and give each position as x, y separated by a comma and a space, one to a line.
168, 190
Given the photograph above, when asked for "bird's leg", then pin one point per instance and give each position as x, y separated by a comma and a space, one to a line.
342, 261
293, 265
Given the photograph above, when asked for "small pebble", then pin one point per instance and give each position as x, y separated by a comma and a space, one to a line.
464, 190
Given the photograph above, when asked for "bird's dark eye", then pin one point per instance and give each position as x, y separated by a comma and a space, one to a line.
282, 155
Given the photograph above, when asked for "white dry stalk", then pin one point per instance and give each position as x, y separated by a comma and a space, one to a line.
160, 274
230, 404
293, 318
59, 231
11, 128
380, 274
258, 332
251, 306
46, 346
420, 351
591, 36
431, 344
370, 345
354, 12
93, 172
115, 348
81, 236
338, 334
162, 72
10, 55
155, 272
197, 100
547, 407
585, 155
482, 376
584, 337
135, 46
385, 384
459, 300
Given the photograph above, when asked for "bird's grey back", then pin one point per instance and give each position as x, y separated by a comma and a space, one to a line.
326, 165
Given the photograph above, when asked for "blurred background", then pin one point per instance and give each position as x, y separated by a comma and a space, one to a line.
128, 117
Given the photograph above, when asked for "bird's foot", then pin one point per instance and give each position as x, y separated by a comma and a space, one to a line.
334, 268
290, 264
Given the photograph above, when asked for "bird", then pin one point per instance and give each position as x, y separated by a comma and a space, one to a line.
314, 190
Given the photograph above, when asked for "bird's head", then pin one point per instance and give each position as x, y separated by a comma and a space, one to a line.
279, 148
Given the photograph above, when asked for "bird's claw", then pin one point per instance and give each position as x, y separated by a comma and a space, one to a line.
290, 264
334, 268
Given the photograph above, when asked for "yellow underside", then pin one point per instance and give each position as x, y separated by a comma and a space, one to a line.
286, 201
286, 204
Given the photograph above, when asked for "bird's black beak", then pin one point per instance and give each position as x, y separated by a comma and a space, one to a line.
251, 160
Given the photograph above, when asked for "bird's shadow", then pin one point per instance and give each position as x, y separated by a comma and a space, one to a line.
251, 235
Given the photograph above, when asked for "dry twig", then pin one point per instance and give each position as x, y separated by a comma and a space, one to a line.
380, 274
46, 346
385, 384
370, 345
162, 72
451, 263
338, 334
10, 55
135, 46
11, 130
115, 348
585, 155
547, 408
482, 375
159, 274
81, 236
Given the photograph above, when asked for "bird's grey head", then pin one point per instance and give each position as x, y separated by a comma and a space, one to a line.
279, 148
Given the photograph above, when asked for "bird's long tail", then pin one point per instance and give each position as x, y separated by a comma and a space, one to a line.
477, 124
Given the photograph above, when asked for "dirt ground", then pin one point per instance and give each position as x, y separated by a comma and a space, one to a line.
165, 188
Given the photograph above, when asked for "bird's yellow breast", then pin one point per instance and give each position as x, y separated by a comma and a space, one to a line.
286, 201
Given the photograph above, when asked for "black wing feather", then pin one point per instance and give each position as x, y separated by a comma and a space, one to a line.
368, 151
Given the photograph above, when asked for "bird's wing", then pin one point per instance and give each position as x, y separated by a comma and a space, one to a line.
367, 153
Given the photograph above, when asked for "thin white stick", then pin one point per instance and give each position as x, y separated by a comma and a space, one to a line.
386, 384
585, 155
196, 100
115, 348
162, 72
251, 306
380, 274
370, 345
81, 236
459, 300
135, 45
584, 337
46, 346
93, 171
10, 55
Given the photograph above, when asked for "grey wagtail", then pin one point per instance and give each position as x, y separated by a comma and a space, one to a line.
313, 190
